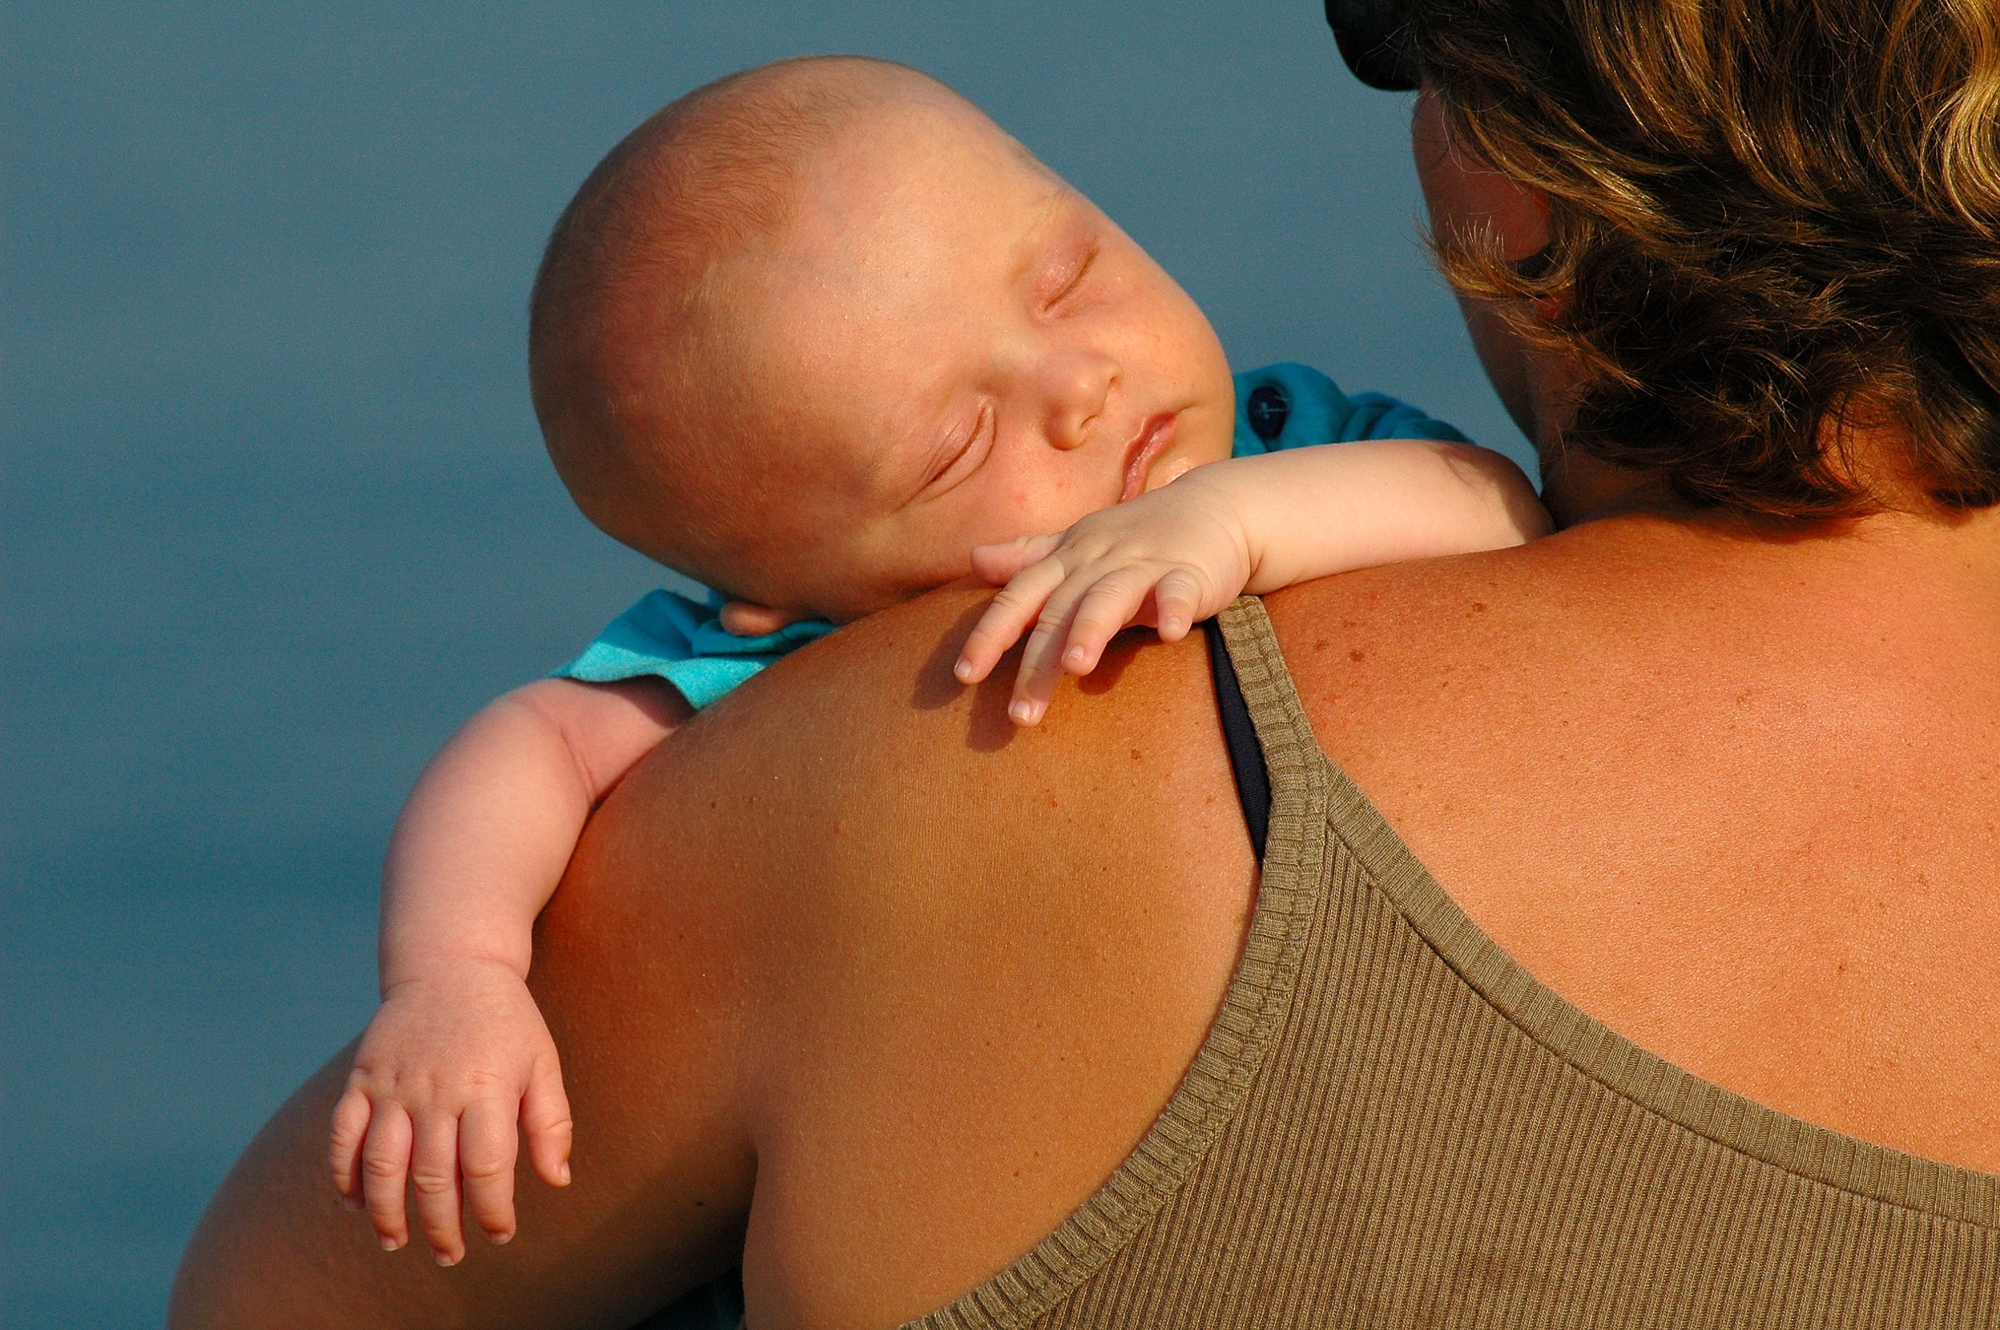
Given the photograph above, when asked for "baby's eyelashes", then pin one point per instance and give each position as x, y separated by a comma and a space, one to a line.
1069, 279
962, 456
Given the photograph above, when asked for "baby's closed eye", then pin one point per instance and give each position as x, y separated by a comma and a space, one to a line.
961, 454
1064, 280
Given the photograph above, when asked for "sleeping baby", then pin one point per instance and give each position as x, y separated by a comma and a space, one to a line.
821, 337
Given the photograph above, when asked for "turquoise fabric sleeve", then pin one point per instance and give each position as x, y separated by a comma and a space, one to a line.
683, 641
1299, 407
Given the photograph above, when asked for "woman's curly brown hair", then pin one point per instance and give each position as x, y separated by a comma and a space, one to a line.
1771, 218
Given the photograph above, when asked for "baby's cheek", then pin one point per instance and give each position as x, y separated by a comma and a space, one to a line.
1037, 503
1063, 503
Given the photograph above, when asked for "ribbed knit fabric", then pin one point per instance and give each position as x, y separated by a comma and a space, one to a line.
1393, 1125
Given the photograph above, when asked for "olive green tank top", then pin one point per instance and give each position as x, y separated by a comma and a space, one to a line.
1392, 1125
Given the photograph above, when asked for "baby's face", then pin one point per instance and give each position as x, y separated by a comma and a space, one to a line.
950, 347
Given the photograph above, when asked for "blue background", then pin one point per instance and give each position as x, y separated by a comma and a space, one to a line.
270, 470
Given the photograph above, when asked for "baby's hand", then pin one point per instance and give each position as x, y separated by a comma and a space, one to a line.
447, 1067
1169, 558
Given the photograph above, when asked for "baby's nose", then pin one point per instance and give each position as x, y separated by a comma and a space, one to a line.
1078, 384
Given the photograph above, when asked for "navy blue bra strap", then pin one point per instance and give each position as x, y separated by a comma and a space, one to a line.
1246, 755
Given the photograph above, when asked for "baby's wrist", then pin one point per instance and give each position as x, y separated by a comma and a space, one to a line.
1229, 498
447, 970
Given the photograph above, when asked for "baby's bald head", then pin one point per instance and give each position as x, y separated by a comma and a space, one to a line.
814, 332
642, 378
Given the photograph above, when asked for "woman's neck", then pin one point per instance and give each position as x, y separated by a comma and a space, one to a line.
1577, 487
1875, 460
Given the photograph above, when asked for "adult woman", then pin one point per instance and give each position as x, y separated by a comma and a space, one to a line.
1716, 765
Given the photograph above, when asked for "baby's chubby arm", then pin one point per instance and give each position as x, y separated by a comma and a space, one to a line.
458, 1052
1252, 524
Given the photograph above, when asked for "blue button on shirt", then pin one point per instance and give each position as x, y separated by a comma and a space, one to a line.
683, 641
1287, 406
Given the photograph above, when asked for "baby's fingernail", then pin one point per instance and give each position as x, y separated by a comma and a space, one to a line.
500, 1239
445, 1258
1022, 712
390, 1244
350, 1202
963, 670
565, 1175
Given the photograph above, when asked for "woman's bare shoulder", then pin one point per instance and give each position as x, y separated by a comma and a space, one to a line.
972, 961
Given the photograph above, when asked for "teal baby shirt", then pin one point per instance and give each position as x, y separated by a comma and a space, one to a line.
683, 641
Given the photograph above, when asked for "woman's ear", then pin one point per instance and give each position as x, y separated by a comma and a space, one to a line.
1550, 309
1467, 195
744, 618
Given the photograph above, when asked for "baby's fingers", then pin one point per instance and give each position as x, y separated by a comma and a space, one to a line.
385, 1167
487, 1148
434, 1178
1041, 663
1178, 602
1070, 639
1113, 601
1075, 627
545, 1117
1006, 619
998, 564
350, 1129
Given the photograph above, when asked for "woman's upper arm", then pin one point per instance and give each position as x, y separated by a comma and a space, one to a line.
1074, 896
644, 965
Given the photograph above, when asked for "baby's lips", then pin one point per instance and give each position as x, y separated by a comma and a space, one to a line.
1153, 440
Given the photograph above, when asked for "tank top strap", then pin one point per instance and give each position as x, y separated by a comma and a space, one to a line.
1331, 806
1295, 771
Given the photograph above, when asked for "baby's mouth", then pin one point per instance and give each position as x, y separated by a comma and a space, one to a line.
1154, 438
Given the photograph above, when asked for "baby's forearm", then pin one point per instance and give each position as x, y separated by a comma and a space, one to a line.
489, 828
1313, 512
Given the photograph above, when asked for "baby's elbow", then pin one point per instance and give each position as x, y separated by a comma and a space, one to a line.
1501, 491
550, 701
572, 706
1525, 516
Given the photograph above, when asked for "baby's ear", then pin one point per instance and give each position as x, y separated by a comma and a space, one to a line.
744, 618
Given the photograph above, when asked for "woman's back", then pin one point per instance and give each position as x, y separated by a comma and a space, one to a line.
892, 1001
1392, 1123
1730, 795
